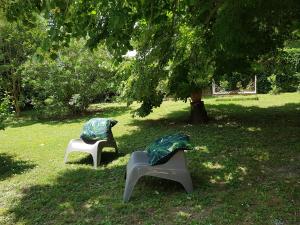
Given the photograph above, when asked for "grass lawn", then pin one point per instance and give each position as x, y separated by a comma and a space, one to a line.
245, 168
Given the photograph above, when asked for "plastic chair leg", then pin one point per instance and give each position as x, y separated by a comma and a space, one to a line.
186, 182
66, 156
95, 160
131, 180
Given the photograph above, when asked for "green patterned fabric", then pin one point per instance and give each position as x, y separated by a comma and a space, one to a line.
161, 150
97, 129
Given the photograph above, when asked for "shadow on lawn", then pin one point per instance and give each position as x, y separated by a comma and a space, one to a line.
29, 118
88, 196
106, 158
10, 166
239, 151
234, 146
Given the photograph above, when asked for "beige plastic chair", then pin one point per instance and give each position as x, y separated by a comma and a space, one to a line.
95, 149
174, 169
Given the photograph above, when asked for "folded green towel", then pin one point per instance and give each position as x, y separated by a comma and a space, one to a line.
97, 129
162, 149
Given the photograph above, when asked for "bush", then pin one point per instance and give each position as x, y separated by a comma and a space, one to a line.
5, 111
274, 85
68, 84
285, 69
224, 84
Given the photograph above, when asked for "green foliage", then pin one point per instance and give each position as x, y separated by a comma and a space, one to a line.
5, 111
224, 84
166, 65
263, 85
77, 103
17, 44
236, 81
69, 83
239, 85
285, 69
274, 84
180, 45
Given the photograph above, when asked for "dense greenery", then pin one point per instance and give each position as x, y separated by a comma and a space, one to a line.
276, 72
56, 83
5, 111
16, 44
69, 83
244, 171
283, 71
180, 45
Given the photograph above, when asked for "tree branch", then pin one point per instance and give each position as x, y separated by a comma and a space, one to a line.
213, 11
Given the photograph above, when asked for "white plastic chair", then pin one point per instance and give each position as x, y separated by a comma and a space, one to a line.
95, 149
174, 169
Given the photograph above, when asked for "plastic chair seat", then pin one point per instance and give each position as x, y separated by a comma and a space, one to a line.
95, 149
174, 169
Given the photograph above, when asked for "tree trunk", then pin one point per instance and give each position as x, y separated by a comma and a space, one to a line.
198, 112
17, 107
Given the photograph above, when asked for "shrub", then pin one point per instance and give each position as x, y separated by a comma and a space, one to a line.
5, 111
224, 84
284, 67
274, 85
69, 83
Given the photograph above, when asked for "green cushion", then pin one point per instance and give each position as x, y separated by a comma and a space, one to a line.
161, 150
97, 129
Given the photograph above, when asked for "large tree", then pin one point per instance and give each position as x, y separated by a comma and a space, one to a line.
180, 44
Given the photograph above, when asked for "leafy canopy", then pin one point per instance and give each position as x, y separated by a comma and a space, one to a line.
180, 44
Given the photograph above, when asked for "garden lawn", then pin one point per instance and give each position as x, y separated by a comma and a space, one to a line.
245, 168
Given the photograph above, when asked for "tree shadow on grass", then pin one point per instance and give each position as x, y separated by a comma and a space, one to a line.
258, 134
243, 157
239, 149
110, 111
88, 196
78, 196
106, 158
10, 166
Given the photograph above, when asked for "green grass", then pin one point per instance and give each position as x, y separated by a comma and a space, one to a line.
237, 98
245, 168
